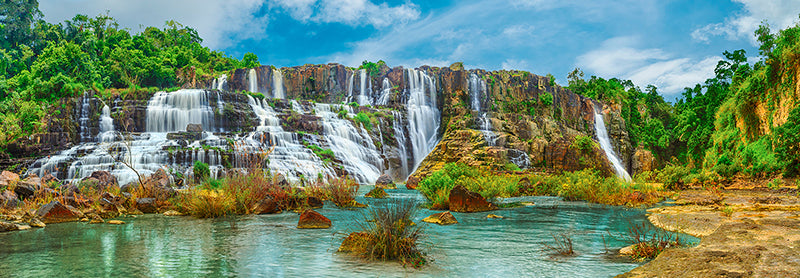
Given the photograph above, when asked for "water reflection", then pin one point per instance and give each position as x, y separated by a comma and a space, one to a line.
271, 246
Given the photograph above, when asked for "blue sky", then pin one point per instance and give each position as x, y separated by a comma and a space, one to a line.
669, 43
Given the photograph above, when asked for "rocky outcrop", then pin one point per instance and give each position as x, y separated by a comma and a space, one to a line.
8, 199
7, 178
442, 218
463, 200
265, 206
56, 212
385, 181
376, 192
642, 161
101, 179
7, 227
147, 205
311, 219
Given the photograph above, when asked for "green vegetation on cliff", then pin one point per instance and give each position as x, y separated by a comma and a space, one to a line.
741, 121
42, 63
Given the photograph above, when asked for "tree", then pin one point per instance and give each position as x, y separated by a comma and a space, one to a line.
17, 18
250, 60
787, 143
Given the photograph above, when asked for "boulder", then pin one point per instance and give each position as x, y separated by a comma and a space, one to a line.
8, 199
173, 213
281, 181
110, 205
25, 190
311, 219
159, 179
194, 128
95, 219
76, 201
412, 182
494, 216
56, 212
115, 222
103, 179
385, 181
442, 218
377, 192
314, 202
356, 242
463, 200
69, 190
7, 227
7, 178
146, 205
36, 223
266, 205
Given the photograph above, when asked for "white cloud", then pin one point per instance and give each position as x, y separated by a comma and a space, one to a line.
514, 64
622, 58
778, 13
350, 12
219, 23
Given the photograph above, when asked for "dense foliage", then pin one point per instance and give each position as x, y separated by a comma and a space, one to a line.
42, 63
733, 123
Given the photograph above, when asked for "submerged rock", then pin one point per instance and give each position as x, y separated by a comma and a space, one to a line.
376, 192
266, 205
56, 212
356, 242
442, 218
385, 181
311, 219
494, 216
463, 200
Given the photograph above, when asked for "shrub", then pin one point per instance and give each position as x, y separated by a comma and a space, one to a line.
436, 188
340, 191
583, 143
364, 119
201, 171
787, 144
511, 167
388, 233
648, 242
546, 99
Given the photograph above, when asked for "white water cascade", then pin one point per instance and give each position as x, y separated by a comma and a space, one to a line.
220, 82
277, 84
350, 87
365, 90
386, 92
423, 115
83, 121
352, 145
171, 112
252, 79
477, 91
400, 136
605, 144
107, 132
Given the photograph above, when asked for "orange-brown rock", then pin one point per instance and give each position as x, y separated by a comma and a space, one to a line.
311, 219
442, 218
463, 200
7, 178
356, 242
266, 205
56, 212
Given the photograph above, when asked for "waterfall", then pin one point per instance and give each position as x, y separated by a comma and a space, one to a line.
352, 145
350, 87
605, 143
365, 89
171, 112
288, 156
220, 82
477, 91
277, 84
84, 120
423, 115
386, 92
252, 78
107, 132
400, 137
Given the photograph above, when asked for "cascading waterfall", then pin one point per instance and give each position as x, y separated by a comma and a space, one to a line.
84, 120
277, 84
605, 144
386, 92
423, 115
220, 83
400, 137
171, 112
252, 79
365, 90
107, 132
352, 145
477, 90
350, 87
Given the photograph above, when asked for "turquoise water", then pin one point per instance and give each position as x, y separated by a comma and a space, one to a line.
271, 246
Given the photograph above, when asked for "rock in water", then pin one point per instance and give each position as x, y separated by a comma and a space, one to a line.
376, 192
266, 205
311, 219
36, 223
463, 200
442, 218
356, 242
385, 181
412, 182
194, 128
115, 222
7, 177
494, 216
173, 213
56, 212
7, 227
147, 205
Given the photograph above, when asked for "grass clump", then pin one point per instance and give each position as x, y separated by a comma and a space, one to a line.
649, 242
562, 245
341, 191
388, 233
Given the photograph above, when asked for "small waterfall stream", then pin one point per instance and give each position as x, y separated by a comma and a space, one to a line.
365, 89
277, 84
252, 79
477, 90
605, 144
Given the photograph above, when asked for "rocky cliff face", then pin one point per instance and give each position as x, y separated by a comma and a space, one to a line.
394, 120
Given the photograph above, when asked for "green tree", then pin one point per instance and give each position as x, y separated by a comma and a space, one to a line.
787, 143
250, 60
17, 18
